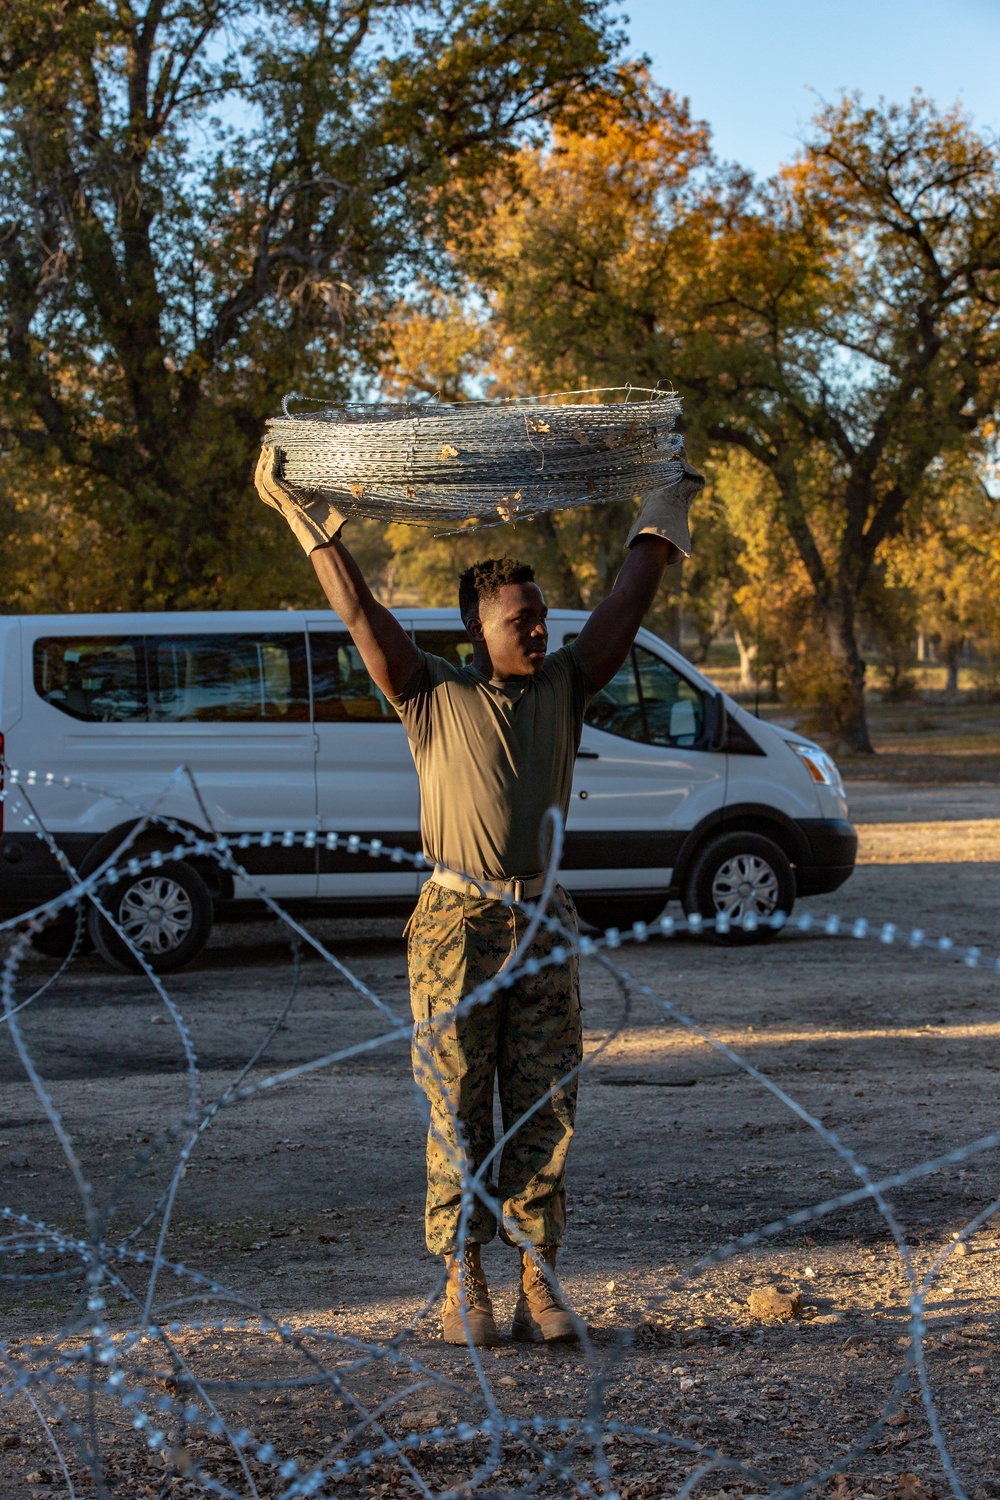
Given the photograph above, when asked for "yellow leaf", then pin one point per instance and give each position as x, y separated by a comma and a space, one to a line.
357, 490
539, 426
622, 439
448, 451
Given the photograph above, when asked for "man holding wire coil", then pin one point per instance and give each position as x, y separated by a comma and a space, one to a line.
494, 745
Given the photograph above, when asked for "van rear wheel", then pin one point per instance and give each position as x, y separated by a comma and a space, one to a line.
740, 879
166, 914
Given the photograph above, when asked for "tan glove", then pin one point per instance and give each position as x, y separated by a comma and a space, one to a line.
664, 511
314, 521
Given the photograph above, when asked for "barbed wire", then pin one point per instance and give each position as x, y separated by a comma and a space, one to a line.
475, 461
91, 1361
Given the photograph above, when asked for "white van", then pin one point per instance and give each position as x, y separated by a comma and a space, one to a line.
678, 792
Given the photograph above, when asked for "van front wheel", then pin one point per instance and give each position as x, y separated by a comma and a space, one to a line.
740, 879
166, 914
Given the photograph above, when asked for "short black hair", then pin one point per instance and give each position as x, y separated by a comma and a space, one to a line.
484, 579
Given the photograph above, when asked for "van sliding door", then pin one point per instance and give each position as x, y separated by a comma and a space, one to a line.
365, 778
235, 707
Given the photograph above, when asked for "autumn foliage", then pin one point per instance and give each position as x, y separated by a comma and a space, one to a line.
501, 205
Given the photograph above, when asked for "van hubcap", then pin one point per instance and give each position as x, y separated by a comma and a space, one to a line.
156, 914
743, 885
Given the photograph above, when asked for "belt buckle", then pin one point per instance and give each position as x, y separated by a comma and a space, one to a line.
518, 892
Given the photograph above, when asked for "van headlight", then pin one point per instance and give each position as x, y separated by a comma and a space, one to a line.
821, 767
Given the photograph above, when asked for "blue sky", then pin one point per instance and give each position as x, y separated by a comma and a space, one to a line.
753, 68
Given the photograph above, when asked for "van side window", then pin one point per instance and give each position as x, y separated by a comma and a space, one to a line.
453, 645
98, 679
343, 693
228, 678
648, 701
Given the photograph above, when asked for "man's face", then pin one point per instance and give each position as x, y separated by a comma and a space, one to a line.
512, 627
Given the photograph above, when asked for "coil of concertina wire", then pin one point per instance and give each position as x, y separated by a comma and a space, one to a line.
477, 462
139, 1366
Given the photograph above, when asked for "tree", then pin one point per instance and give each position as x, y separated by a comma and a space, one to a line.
947, 563
768, 587
165, 278
889, 615
441, 343
838, 324
438, 346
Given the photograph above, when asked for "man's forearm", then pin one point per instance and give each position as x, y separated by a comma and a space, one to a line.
640, 575
607, 637
343, 583
386, 649
659, 536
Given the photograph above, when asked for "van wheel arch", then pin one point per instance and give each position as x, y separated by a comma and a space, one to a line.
764, 821
218, 881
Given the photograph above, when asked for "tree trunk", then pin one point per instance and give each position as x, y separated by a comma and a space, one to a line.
952, 652
671, 629
748, 656
704, 635
842, 636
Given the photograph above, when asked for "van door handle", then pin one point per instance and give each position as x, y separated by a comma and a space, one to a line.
587, 755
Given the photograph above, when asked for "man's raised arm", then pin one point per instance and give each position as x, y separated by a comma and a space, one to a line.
386, 650
660, 536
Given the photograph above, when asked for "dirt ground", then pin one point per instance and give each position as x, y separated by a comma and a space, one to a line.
305, 1200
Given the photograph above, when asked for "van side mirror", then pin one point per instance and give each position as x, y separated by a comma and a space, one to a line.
716, 721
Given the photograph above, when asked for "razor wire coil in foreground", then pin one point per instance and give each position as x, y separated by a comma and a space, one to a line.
89, 1358
481, 461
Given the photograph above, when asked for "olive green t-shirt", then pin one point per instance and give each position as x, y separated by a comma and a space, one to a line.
492, 758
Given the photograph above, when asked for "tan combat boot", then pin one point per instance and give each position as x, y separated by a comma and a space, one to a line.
541, 1315
471, 1294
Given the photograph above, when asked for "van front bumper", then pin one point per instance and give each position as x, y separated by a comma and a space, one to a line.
833, 850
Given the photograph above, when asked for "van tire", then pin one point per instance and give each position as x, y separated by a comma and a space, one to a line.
167, 912
713, 885
603, 912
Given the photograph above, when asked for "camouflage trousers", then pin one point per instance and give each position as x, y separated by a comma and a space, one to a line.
527, 1037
